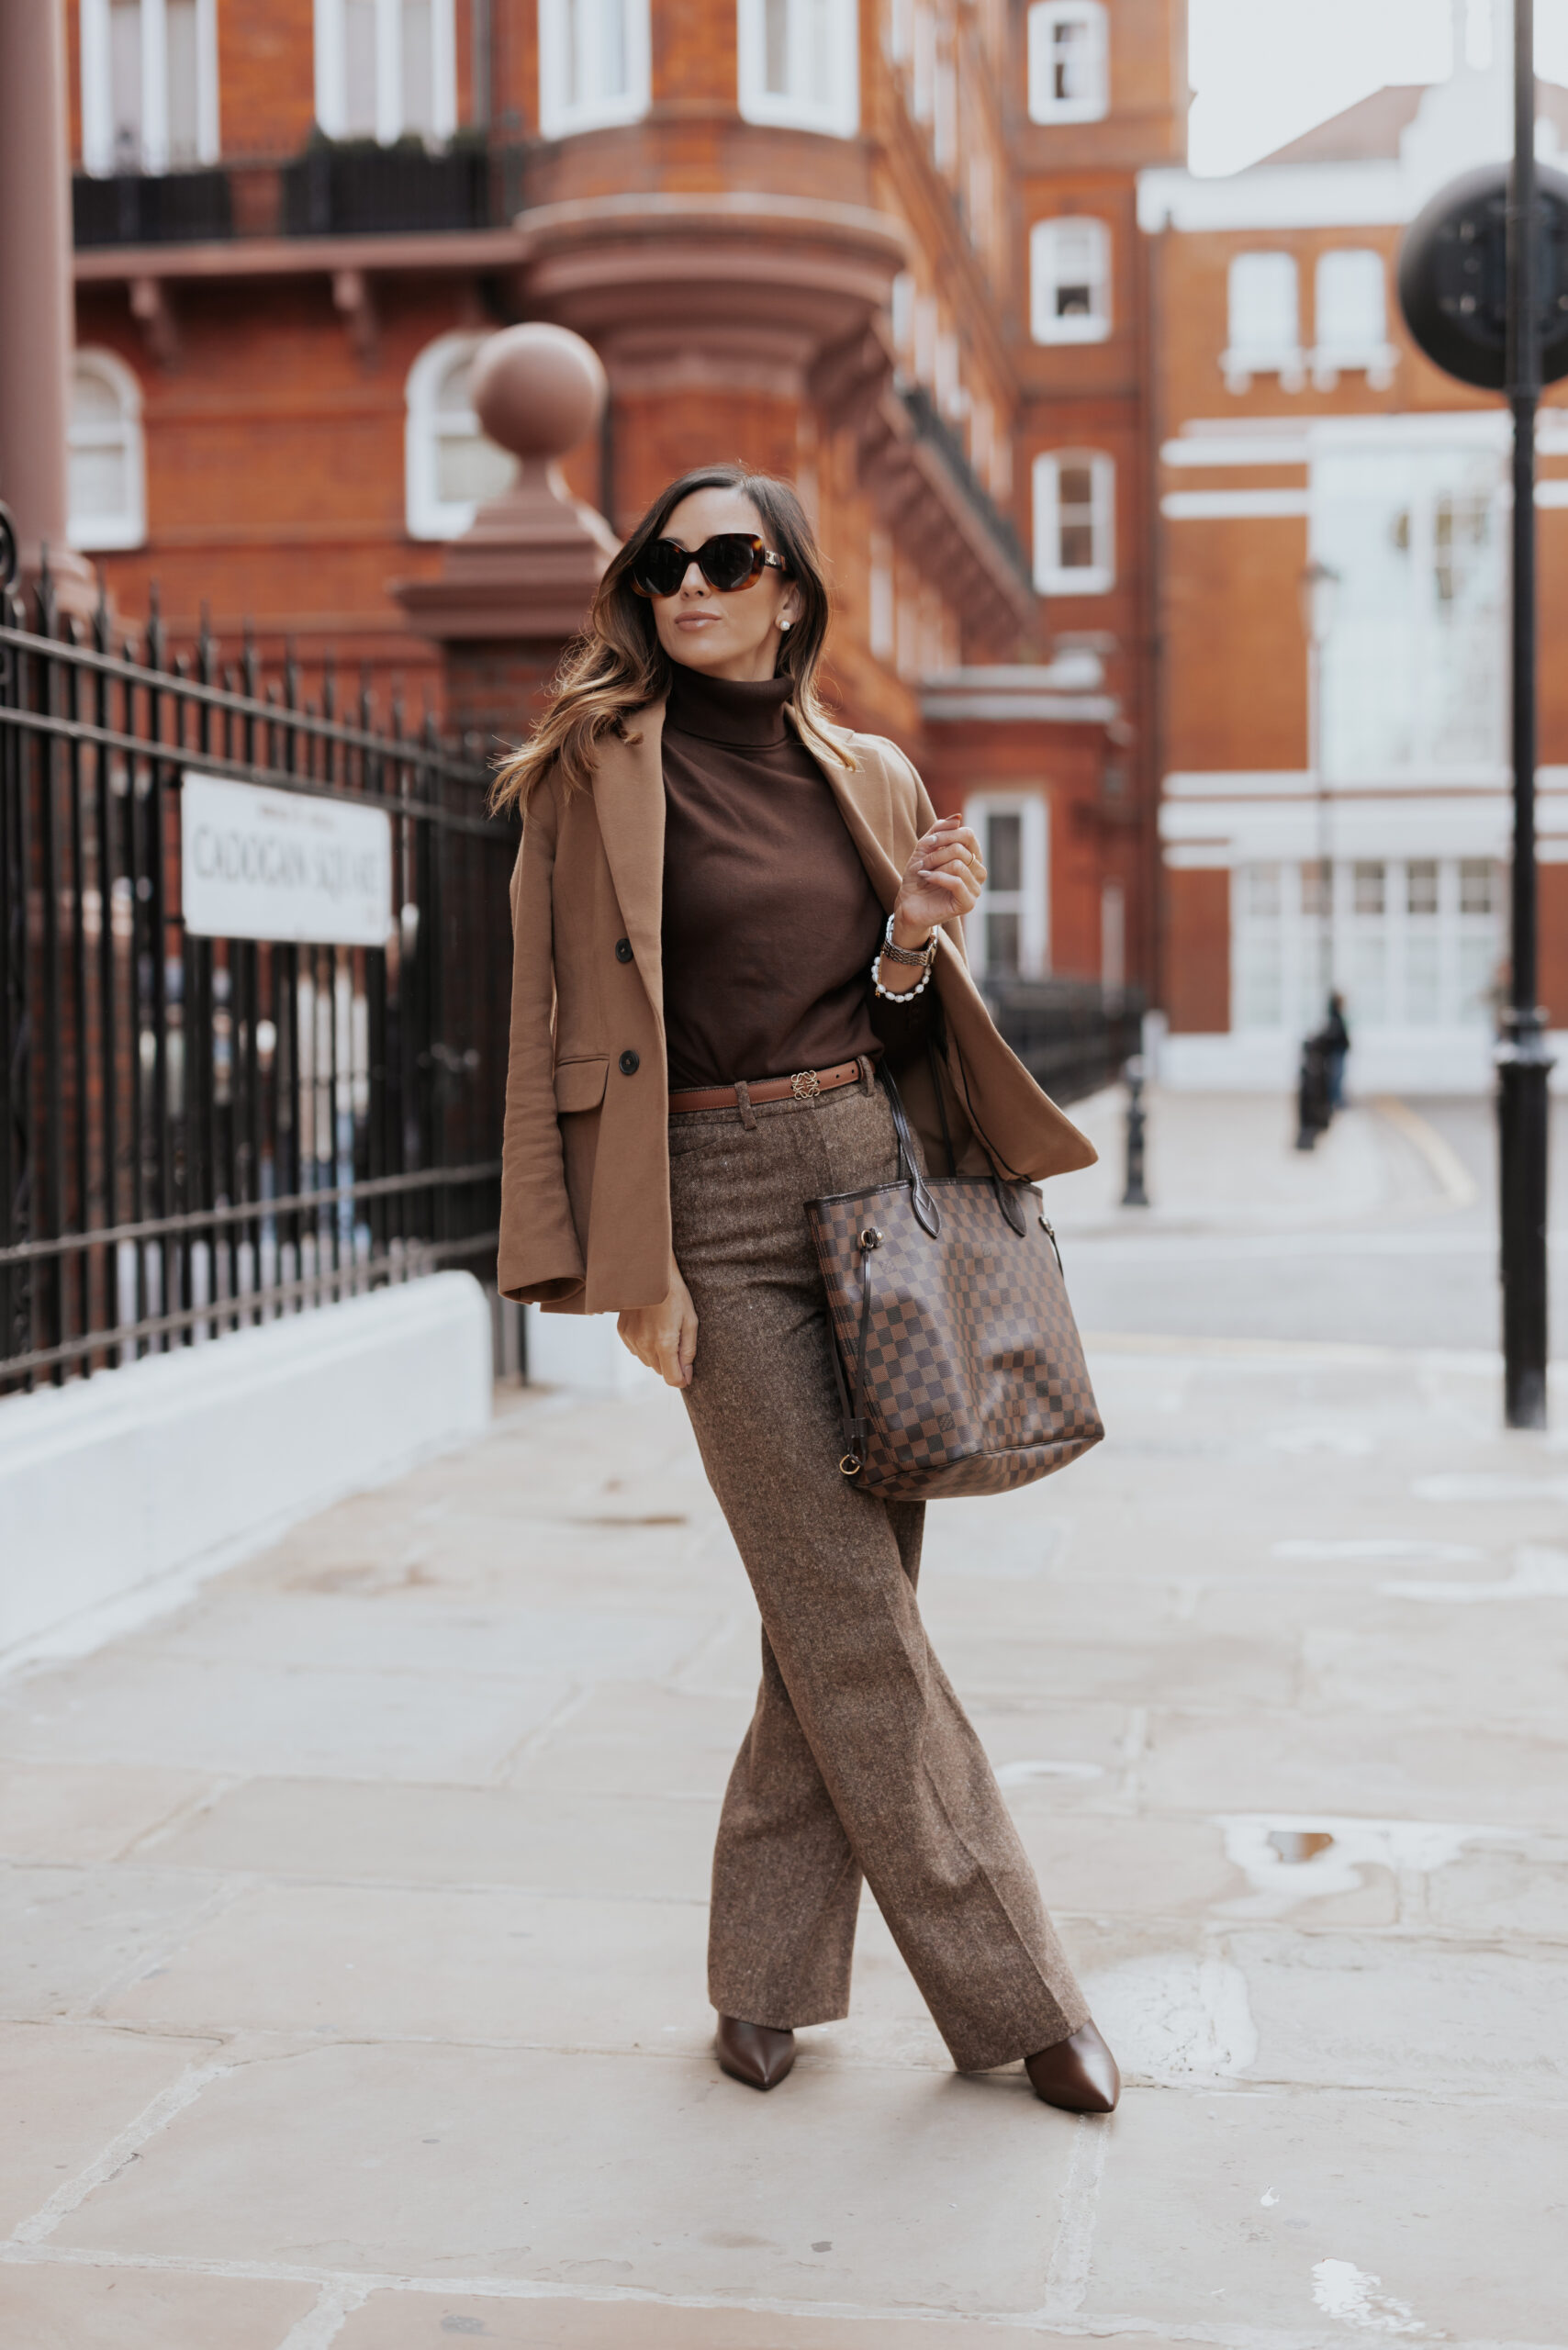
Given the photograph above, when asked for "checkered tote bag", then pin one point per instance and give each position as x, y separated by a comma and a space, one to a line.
960, 1369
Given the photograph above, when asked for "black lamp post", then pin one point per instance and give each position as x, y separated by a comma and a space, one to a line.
1483, 287
1523, 1061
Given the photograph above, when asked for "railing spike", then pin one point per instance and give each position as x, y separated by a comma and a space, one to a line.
45, 593
155, 644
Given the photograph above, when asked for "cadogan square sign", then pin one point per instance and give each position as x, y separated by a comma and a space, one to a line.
282, 866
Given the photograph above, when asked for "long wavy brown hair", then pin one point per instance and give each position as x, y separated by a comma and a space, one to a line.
618, 665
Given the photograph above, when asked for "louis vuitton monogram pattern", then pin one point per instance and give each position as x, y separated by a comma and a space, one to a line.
975, 1380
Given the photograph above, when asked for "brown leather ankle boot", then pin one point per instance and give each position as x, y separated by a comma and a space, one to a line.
754, 2053
1080, 2075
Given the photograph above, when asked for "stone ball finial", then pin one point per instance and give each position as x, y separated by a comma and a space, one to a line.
538, 389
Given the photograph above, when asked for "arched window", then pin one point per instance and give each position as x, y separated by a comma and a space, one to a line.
1069, 280
799, 64
450, 467
106, 502
593, 64
1068, 61
1075, 522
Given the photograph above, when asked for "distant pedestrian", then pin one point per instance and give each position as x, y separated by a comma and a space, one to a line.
1337, 1046
727, 911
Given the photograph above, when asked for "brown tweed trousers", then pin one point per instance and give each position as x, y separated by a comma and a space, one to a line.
860, 1759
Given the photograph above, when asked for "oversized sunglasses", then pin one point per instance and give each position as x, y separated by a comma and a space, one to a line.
732, 561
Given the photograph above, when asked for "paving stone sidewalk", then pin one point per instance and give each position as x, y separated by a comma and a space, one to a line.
353, 1971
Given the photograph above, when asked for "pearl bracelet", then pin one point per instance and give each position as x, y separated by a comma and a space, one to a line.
926, 956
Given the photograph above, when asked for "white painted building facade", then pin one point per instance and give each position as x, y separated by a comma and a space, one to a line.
1404, 797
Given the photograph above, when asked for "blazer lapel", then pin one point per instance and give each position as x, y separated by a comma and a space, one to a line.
628, 800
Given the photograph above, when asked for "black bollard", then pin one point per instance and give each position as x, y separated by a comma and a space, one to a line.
1313, 1113
1134, 1195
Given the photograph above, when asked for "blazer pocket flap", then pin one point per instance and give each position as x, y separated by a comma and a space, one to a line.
579, 1085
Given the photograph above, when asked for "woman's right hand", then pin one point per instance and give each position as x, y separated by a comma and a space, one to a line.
664, 1337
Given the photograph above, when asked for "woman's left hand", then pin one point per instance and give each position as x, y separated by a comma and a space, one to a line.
942, 878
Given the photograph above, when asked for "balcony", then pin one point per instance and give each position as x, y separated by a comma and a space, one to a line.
933, 426
349, 188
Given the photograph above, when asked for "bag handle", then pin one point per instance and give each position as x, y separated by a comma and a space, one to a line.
911, 1172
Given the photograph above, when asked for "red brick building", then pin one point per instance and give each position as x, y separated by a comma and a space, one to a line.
885, 247
1358, 832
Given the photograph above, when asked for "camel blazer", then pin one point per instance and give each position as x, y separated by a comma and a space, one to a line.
585, 1172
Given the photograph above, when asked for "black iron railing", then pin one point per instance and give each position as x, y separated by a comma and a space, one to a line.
361, 189
201, 1133
341, 188
152, 209
1072, 1035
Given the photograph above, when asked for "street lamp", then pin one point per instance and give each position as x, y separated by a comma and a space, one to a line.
1319, 590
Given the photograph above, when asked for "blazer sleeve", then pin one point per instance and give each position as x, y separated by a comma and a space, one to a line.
539, 1256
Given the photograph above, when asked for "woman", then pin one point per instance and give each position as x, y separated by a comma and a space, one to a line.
726, 910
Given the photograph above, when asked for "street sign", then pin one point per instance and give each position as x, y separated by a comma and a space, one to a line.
1453, 276
256, 863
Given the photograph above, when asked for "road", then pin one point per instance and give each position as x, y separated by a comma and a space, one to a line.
1385, 1235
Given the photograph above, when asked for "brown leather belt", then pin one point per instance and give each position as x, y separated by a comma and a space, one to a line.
804, 1086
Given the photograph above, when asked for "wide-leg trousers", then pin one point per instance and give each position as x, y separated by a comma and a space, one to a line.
859, 1760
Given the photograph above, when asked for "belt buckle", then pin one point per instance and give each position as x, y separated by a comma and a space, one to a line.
805, 1085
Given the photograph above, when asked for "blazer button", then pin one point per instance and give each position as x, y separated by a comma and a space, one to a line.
623, 950
629, 1064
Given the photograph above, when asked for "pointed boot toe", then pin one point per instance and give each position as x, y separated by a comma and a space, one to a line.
1078, 2074
755, 2052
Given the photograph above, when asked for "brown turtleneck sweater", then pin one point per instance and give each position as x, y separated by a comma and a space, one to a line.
769, 918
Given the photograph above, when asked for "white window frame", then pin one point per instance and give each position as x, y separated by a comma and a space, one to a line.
332, 86
1045, 278
559, 118
1046, 20
901, 314
94, 532
1240, 360
837, 116
922, 62
945, 104
427, 514
1112, 937
1052, 578
1031, 903
1332, 356
97, 91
